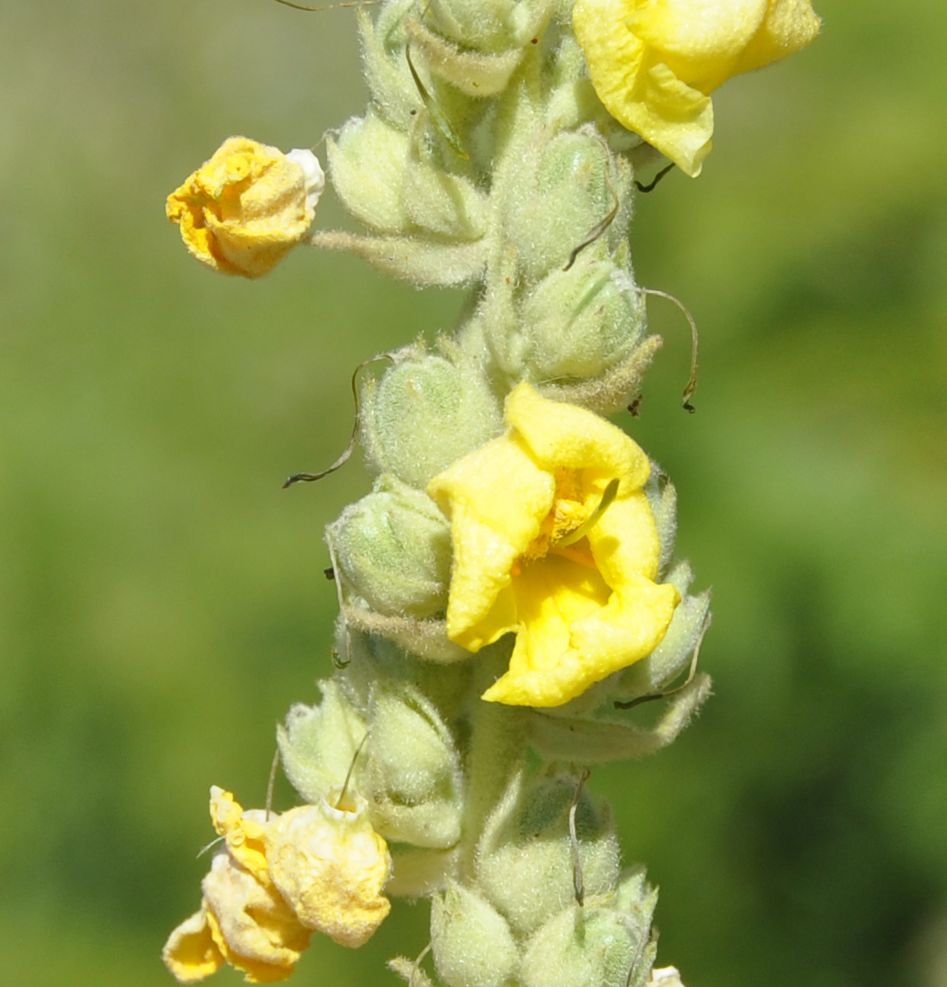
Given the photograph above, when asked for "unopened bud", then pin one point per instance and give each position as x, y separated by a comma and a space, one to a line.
561, 202
392, 549
411, 774
318, 743
472, 942
424, 414
528, 865
367, 165
578, 324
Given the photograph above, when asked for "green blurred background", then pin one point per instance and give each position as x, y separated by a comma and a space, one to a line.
162, 600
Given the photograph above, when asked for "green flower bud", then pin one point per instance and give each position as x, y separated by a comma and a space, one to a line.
484, 25
424, 414
382, 40
577, 324
392, 549
317, 743
411, 773
599, 945
473, 945
367, 165
443, 203
560, 201
526, 865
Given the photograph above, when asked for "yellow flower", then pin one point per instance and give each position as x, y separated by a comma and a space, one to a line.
654, 63
246, 207
331, 866
243, 920
554, 539
274, 881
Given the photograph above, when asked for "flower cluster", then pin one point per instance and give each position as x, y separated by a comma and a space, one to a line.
275, 880
507, 589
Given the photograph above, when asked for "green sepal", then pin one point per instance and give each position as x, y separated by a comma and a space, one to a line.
472, 942
391, 550
423, 414
525, 861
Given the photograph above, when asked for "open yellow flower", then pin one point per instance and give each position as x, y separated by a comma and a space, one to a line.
246, 207
274, 881
554, 540
653, 63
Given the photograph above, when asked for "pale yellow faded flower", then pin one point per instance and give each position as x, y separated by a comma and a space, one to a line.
654, 63
554, 540
331, 866
274, 881
246, 207
243, 920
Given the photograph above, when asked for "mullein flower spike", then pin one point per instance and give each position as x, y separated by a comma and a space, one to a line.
508, 590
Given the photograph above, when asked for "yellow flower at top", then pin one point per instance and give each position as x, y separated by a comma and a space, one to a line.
275, 880
554, 540
246, 207
654, 63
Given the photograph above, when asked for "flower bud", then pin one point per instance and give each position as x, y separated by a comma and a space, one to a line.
246, 207
526, 865
559, 201
318, 743
367, 166
411, 773
442, 203
578, 324
392, 549
424, 414
484, 25
593, 946
472, 943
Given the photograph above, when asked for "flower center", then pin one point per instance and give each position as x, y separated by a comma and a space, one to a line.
570, 518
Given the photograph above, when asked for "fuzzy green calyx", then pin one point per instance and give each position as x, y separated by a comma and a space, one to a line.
578, 324
392, 551
606, 942
473, 944
425, 413
526, 864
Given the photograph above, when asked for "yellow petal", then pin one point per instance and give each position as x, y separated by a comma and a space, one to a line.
653, 63
243, 831
247, 206
190, 952
698, 30
789, 26
552, 594
497, 498
252, 926
331, 866
563, 436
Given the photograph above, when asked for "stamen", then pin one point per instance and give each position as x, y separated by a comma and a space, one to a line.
586, 526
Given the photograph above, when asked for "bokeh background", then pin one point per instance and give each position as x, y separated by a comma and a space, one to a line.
162, 600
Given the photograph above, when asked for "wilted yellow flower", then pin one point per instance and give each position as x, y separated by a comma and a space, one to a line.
274, 881
243, 920
330, 865
554, 540
246, 207
654, 63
